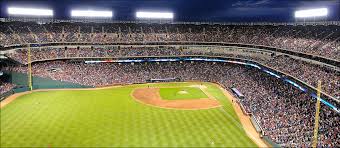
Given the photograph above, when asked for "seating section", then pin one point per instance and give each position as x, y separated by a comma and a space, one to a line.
5, 87
317, 40
305, 71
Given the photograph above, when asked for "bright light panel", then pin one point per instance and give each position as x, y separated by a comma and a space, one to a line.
29, 11
155, 15
311, 13
90, 13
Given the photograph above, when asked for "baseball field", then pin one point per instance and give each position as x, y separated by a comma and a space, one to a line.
188, 114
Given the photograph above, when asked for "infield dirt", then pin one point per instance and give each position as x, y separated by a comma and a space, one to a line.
152, 97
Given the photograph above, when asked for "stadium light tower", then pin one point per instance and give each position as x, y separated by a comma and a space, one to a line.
91, 14
154, 15
20, 11
311, 13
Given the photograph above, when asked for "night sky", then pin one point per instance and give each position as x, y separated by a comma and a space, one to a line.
188, 10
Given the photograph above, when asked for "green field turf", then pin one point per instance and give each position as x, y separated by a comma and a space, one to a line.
111, 118
174, 93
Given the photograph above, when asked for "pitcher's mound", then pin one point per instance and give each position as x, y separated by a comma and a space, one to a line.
182, 92
152, 97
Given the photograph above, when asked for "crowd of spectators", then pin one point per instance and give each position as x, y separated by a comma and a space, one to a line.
305, 71
309, 73
285, 113
45, 53
318, 40
5, 87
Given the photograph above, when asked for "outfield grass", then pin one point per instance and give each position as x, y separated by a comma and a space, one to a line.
174, 93
110, 117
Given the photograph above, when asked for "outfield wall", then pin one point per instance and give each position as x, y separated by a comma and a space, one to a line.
21, 82
21, 79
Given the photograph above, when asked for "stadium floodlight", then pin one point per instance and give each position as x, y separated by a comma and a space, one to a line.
311, 13
91, 13
154, 15
29, 11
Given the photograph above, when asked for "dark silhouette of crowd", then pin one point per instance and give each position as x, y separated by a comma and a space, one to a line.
318, 40
285, 113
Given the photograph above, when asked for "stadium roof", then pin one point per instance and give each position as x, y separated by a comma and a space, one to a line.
187, 10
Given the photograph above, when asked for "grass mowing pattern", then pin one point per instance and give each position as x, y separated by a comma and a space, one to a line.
112, 118
174, 93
